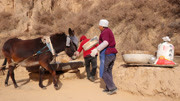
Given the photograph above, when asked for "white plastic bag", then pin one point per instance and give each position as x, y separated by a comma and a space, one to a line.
166, 49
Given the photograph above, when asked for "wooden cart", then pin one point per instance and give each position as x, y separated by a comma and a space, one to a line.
60, 66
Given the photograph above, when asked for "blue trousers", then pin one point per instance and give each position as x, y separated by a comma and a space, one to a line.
107, 74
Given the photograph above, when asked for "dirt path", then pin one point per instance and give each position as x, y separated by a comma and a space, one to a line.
70, 90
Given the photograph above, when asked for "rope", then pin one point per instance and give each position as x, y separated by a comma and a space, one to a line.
39, 52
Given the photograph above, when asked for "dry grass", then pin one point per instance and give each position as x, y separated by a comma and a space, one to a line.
137, 24
142, 13
7, 21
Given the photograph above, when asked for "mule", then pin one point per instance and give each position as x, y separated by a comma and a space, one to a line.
34, 52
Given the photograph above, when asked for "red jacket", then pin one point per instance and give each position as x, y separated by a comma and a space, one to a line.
88, 52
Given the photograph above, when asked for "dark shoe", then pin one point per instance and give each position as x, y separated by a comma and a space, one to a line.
106, 90
112, 91
92, 78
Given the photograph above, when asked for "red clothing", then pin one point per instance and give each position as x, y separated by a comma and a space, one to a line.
88, 52
107, 35
82, 38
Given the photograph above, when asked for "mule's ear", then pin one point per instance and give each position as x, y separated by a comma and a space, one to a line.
71, 32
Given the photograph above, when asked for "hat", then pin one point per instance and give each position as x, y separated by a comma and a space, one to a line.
103, 22
82, 38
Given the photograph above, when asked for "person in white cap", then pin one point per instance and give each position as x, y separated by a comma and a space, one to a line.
107, 55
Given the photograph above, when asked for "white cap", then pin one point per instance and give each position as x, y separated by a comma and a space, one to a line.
103, 22
166, 38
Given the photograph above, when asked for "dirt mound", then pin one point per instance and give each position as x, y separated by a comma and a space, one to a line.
149, 81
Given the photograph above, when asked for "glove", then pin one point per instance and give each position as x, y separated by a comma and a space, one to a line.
76, 53
94, 52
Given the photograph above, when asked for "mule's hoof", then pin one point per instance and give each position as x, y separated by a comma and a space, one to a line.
56, 87
6, 85
44, 88
16, 86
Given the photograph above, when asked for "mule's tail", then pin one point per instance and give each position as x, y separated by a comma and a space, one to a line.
3, 66
5, 62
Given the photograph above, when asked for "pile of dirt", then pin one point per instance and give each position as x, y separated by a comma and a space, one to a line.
149, 81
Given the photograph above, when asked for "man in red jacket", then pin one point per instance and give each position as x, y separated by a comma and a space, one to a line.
88, 58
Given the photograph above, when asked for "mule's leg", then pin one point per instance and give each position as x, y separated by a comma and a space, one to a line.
7, 78
41, 73
11, 73
52, 71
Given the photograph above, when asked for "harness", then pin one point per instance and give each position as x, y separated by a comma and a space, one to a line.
46, 40
40, 51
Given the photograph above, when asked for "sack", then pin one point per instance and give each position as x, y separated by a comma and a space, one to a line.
167, 50
91, 43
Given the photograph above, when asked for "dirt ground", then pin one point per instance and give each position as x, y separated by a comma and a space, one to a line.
72, 88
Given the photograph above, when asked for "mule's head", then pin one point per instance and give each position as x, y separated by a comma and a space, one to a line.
70, 49
71, 44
